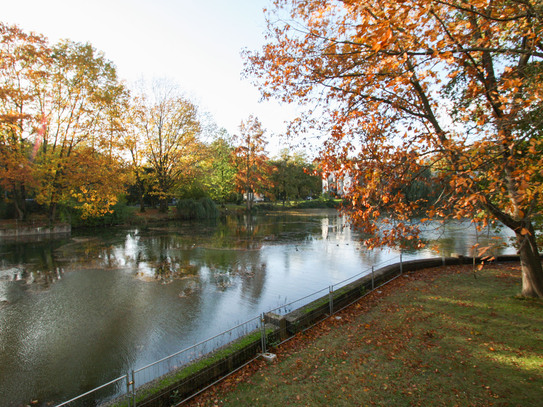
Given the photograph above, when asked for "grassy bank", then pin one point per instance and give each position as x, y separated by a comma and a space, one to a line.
438, 337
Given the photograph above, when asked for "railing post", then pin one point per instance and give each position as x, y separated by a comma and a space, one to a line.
401, 262
372, 278
133, 388
263, 333
128, 389
331, 298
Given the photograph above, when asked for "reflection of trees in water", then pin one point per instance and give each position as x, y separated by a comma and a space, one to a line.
231, 267
35, 264
37, 253
169, 268
164, 257
240, 231
250, 232
252, 283
462, 237
222, 267
335, 228
39, 279
229, 249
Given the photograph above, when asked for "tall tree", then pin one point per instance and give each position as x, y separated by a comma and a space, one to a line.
25, 60
251, 161
221, 173
406, 86
133, 143
169, 128
294, 177
81, 106
59, 117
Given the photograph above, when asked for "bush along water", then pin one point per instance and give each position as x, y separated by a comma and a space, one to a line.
120, 214
190, 209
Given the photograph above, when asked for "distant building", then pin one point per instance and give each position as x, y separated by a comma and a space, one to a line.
336, 184
255, 197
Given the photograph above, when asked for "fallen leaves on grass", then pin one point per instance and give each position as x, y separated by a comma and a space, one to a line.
394, 339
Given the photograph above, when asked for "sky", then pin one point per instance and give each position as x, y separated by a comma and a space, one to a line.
196, 44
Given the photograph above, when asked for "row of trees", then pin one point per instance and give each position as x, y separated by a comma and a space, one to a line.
73, 136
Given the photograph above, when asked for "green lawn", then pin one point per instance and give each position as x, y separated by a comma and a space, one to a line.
432, 338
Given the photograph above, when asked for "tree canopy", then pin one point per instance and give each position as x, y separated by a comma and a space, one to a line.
59, 111
294, 177
163, 135
74, 139
401, 88
250, 160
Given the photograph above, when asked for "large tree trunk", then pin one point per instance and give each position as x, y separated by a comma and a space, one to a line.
52, 213
530, 261
19, 201
250, 197
163, 205
141, 192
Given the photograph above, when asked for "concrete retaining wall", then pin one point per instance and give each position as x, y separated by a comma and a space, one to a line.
208, 374
24, 231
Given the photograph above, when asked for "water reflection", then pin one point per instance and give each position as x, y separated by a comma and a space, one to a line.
75, 313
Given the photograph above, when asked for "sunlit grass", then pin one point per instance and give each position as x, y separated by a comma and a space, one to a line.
443, 340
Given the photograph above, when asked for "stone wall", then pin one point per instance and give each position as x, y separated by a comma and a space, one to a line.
24, 231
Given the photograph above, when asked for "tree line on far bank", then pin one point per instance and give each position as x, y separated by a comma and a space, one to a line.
76, 144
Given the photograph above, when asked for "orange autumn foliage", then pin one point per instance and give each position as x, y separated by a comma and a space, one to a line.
59, 124
400, 88
252, 167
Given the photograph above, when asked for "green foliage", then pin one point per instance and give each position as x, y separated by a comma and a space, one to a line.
193, 190
321, 202
294, 178
423, 188
219, 181
204, 208
120, 214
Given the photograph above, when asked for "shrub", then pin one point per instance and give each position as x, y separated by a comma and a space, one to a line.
119, 215
204, 208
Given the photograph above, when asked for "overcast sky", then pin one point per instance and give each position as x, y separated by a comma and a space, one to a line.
195, 43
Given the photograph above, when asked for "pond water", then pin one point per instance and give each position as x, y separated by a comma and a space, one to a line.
78, 312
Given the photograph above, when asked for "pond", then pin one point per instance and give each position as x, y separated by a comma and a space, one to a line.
77, 312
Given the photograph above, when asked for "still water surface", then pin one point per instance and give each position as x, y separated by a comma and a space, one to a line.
78, 312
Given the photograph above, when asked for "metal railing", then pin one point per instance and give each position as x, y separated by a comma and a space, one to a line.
139, 383
175, 362
102, 393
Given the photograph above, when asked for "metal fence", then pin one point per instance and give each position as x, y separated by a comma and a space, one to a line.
102, 393
148, 376
141, 383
